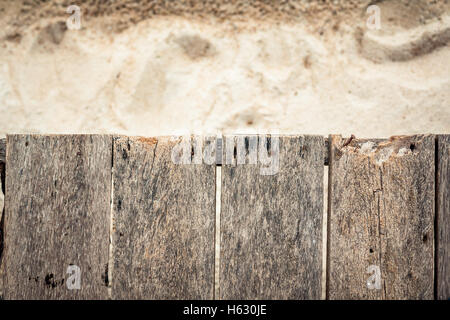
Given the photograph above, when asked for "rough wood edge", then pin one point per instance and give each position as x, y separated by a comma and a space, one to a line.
219, 146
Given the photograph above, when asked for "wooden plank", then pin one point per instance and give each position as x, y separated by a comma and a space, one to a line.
57, 215
443, 217
2, 183
2, 166
271, 222
164, 213
2, 150
381, 218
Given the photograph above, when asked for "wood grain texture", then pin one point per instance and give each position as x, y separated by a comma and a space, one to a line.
271, 225
2, 150
164, 213
2, 183
57, 213
443, 217
381, 213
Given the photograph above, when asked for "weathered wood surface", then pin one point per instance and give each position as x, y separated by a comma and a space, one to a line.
164, 215
2, 183
271, 225
2, 166
57, 211
381, 214
2, 150
443, 217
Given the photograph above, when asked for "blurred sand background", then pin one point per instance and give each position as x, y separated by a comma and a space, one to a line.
172, 67
163, 67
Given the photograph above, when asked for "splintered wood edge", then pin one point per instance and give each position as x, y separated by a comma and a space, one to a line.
219, 148
219, 144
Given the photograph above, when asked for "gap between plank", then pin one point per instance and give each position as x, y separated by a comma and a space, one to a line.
217, 233
111, 226
2, 220
328, 216
324, 233
436, 217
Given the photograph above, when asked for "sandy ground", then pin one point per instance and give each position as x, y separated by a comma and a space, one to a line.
174, 74
140, 68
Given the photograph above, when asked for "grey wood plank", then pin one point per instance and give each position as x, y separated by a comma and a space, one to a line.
2, 150
57, 214
381, 214
271, 224
164, 214
443, 217
2, 190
